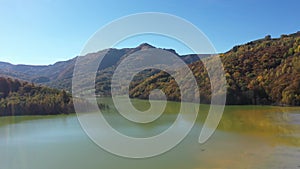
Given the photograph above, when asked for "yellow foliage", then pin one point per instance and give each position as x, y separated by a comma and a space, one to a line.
259, 78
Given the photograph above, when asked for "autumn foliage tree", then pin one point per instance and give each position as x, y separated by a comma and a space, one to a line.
23, 98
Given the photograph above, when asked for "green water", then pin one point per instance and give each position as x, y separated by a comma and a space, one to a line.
255, 137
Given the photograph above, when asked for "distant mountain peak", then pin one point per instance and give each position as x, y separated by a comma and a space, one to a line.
145, 46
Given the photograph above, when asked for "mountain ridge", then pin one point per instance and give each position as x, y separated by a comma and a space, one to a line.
265, 71
251, 69
59, 74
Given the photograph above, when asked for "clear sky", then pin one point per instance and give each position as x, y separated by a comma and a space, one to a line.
46, 31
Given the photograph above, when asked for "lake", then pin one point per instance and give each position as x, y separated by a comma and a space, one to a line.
256, 137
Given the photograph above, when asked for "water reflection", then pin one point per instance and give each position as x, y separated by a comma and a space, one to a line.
280, 125
255, 137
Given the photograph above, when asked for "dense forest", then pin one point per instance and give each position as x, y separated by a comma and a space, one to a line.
23, 98
265, 71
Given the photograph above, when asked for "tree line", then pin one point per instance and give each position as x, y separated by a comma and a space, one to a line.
265, 71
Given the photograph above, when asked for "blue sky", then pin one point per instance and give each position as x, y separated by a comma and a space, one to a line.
46, 31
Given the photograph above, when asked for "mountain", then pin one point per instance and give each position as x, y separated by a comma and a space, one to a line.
264, 71
59, 75
39, 74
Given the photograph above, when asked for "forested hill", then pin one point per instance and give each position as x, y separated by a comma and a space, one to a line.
265, 71
23, 98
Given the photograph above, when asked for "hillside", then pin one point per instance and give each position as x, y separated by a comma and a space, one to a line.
265, 71
47, 75
23, 98
59, 75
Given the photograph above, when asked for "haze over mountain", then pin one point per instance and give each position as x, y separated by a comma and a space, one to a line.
59, 75
265, 71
